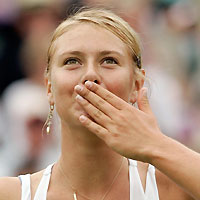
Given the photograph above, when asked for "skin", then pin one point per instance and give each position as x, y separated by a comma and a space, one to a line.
92, 91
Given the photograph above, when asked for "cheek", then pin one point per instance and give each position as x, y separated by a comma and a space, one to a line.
118, 89
121, 85
63, 85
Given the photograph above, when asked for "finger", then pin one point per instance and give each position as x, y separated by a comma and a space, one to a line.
143, 102
95, 100
106, 95
100, 131
94, 112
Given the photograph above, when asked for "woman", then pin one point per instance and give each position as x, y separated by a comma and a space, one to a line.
93, 77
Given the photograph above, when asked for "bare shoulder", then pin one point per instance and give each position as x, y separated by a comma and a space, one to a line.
10, 188
168, 190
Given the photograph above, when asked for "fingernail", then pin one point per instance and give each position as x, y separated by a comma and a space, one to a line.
79, 98
78, 88
82, 118
88, 84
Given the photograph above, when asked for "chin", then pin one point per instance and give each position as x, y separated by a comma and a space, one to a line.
75, 113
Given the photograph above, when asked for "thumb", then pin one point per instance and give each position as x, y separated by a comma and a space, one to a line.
143, 102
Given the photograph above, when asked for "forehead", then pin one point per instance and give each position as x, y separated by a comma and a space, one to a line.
89, 37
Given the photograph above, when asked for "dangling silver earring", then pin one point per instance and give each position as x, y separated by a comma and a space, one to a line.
49, 120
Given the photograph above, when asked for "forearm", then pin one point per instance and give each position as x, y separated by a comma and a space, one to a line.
179, 163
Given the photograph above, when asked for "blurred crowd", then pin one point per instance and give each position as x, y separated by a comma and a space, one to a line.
169, 32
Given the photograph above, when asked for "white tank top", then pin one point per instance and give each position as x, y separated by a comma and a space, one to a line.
136, 189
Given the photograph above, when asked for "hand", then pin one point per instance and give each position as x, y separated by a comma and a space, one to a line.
131, 132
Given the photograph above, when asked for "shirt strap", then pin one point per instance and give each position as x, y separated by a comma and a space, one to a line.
25, 187
42, 189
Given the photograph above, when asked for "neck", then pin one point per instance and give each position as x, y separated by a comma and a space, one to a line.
89, 164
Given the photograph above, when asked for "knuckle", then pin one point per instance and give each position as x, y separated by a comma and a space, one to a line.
97, 114
122, 117
86, 92
98, 130
115, 136
100, 102
108, 96
85, 103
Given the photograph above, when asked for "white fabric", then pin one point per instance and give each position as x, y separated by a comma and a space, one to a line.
26, 187
136, 189
42, 189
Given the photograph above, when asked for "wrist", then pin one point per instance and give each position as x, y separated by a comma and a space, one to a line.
159, 149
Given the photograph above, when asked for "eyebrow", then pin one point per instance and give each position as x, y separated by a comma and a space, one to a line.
101, 53
78, 53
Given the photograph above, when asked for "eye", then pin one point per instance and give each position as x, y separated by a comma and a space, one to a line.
71, 61
110, 61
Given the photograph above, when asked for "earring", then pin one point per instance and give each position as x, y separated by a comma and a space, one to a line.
49, 119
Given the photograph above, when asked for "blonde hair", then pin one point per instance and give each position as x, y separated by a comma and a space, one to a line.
105, 19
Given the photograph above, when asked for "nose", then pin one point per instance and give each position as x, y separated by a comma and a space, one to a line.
91, 74
96, 81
